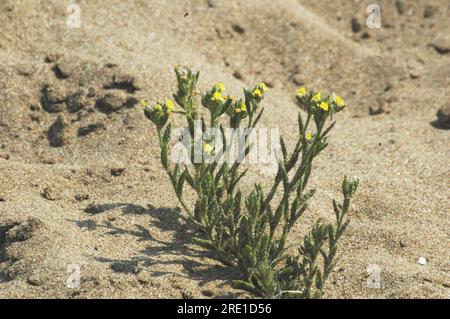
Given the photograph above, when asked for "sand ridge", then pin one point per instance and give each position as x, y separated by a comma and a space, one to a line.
80, 173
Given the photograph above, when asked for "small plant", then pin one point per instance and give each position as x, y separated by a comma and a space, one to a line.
248, 230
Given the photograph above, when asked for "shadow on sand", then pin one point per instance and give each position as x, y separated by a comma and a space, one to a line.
165, 219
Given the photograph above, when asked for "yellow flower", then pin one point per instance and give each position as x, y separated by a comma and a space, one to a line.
144, 103
217, 97
219, 86
339, 101
257, 93
262, 86
207, 147
324, 106
301, 91
241, 108
317, 97
308, 136
157, 108
169, 104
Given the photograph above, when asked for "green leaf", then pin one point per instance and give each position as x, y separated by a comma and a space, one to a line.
191, 124
167, 133
190, 179
244, 285
277, 217
301, 127
164, 159
258, 118
203, 242
180, 183
283, 149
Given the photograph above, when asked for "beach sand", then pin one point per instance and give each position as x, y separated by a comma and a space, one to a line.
80, 178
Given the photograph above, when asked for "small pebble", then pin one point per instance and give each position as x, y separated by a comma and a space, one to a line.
57, 135
117, 171
49, 194
237, 75
441, 43
81, 197
356, 25
428, 12
297, 79
112, 101
401, 7
422, 261
65, 68
443, 116
238, 29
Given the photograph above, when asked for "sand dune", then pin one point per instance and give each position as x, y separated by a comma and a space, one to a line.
80, 174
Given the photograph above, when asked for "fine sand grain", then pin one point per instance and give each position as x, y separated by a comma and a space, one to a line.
80, 177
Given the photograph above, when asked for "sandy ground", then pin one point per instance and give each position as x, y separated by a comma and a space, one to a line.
80, 177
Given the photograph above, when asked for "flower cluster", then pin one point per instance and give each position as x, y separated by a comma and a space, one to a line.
207, 147
317, 104
258, 91
240, 108
187, 81
215, 100
319, 107
219, 104
237, 112
159, 113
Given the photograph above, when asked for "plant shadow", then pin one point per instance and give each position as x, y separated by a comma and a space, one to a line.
439, 125
179, 249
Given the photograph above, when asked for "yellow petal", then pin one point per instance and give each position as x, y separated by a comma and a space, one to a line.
301, 91
257, 93
144, 103
324, 106
207, 147
219, 86
317, 97
169, 104
263, 86
339, 101
217, 96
